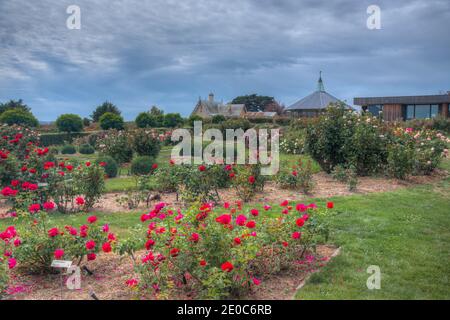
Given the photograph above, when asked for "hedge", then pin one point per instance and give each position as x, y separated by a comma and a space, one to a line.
58, 139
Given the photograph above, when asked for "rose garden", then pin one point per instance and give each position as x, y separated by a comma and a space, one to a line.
352, 191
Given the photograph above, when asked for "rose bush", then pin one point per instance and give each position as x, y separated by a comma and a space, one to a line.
9, 240
219, 255
32, 177
299, 178
42, 242
372, 146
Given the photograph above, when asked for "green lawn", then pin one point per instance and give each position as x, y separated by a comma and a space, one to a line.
406, 233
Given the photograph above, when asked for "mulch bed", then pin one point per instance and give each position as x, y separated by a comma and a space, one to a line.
111, 272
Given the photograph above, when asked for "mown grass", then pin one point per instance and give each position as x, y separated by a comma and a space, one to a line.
406, 233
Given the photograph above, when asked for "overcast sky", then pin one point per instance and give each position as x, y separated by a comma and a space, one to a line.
139, 53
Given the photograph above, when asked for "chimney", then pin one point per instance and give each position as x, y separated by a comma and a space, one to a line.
211, 97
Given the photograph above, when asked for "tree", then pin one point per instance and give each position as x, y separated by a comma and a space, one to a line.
69, 123
19, 117
253, 102
274, 107
172, 120
155, 111
13, 104
144, 120
193, 118
104, 108
111, 120
218, 118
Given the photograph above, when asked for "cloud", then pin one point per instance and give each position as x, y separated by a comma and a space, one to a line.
139, 53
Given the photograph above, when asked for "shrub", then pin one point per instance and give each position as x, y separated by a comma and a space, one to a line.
86, 149
104, 108
111, 120
218, 118
68, 149
193, 118
109, 165
400, 161
9, 240
172, 120
145, 143
18, 117
247, 180
346, 175
234, 124
36, 178
220, 256
69, 123
144, 120
142, 165
57, 139
300, 178
42, 243
293, 142
116, 144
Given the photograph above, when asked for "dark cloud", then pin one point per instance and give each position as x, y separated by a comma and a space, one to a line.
138, 53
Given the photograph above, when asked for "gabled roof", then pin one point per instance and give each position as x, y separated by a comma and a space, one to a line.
319, 99
213, 108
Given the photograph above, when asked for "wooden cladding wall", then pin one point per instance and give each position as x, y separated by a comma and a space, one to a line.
392, 112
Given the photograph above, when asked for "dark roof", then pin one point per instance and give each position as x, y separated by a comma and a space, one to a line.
430, 99
319, 99
316, 100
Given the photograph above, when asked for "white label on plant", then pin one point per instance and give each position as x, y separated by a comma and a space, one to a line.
61, 264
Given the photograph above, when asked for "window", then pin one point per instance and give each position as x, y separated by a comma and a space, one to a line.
375, 109
409, 112
434, 110
421, 111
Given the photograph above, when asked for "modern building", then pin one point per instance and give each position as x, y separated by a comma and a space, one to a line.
406, 107
314, 103
209, 108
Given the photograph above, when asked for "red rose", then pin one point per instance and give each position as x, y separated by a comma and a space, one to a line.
59, 253
227, 266
296, 235
237, 240
92, 219
90, 244
155, 166
195, 237
53, 232
48, 206
88, 164
251, 179
106, 247
79, 201
330, 205
174, 252
201, 168
240, 220
224, 219
254, 212
251, 224
300, 222
284, 203
149, 244
203, 263
91, 256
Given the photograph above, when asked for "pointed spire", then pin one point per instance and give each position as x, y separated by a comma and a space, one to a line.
320, 86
